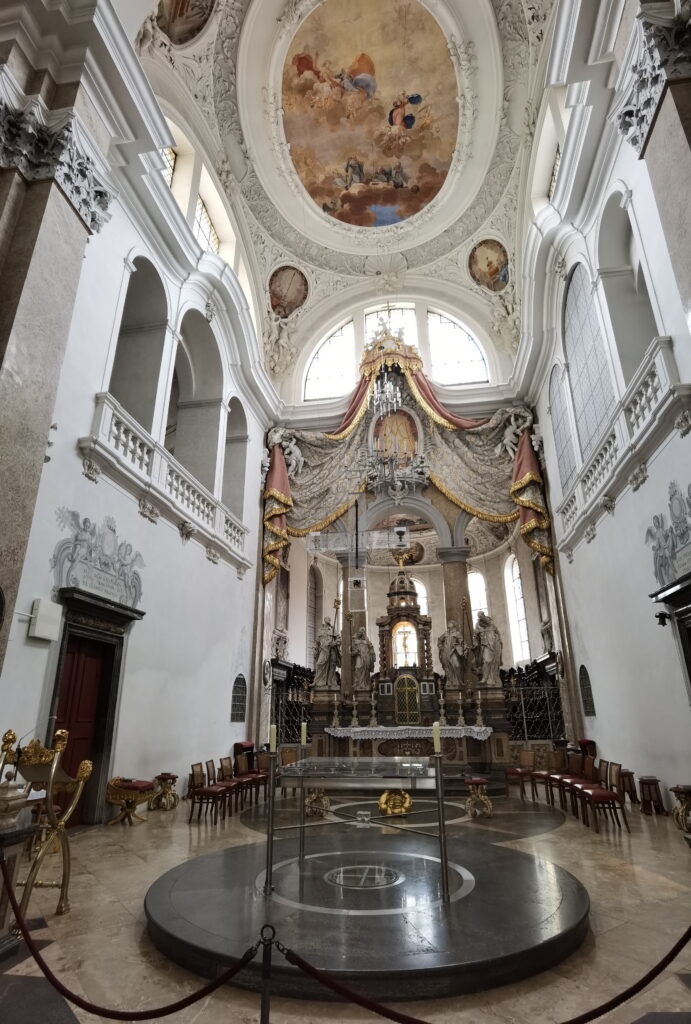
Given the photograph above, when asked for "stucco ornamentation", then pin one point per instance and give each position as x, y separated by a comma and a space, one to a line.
96, 559
41, 152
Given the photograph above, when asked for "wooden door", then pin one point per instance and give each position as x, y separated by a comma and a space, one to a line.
87, 670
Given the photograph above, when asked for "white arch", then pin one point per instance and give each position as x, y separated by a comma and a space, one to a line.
414, 505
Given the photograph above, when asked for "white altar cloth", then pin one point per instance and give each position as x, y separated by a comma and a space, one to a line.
409, 732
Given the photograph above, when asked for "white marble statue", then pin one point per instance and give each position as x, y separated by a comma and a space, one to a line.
487, 647
327, 656
362, 653
452, 652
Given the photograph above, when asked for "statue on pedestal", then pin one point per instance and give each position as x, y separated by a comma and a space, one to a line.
452, 653
487, 647
362, 653
327, 656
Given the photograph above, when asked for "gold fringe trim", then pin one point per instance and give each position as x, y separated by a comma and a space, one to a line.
529, 478
490, 517
279, 496
364, 406
322, 524
439, 420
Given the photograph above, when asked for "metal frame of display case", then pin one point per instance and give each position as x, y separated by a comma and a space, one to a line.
416, 771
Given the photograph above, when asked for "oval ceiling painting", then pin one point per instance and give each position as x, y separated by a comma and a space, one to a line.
370, 109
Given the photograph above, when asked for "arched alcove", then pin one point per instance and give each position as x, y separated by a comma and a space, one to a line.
135, 375
195, 410
624, 287
235, 461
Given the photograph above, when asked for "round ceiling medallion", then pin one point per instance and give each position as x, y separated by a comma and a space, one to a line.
370, 109
182, 20
489, 265
287, 290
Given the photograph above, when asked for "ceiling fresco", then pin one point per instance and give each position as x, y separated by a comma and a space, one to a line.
370, 109
182, 20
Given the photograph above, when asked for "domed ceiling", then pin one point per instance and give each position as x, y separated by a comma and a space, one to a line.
370, 109
368, 147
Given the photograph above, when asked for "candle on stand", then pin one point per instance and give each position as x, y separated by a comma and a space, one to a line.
272, 739
436, 737
303, 734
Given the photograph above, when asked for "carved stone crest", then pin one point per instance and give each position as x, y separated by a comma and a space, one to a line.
96, 559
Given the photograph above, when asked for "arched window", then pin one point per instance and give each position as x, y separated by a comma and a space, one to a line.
457, 357
134, 379
397, 318
421, 595
589, 374
404, 642
478, 593
315, 602
563, 442
516, 608
238, 704
332, 371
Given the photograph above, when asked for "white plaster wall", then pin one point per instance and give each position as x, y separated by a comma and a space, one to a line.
643, 718
196, 636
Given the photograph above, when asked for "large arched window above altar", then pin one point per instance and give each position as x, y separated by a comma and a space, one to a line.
478, 593
452, 354
333, 369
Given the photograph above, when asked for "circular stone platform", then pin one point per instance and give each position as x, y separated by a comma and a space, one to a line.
367, 908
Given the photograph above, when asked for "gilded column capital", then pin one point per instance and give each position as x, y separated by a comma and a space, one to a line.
40, 152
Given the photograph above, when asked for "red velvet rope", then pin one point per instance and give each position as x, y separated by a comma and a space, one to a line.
101, 1011
401, 1018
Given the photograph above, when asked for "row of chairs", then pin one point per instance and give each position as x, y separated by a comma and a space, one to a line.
592, 789
220, 790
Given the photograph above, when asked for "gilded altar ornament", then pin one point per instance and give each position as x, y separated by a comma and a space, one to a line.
40, 768
477, 801
317, 803
395, 801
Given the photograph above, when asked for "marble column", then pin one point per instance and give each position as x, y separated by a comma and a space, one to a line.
43, 234
456, 594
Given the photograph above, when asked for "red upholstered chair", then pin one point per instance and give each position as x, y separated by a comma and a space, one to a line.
601, 781
568, 782
231, 786
205, 796
522, 771
251, 780
555, 761
606, 800
574, 769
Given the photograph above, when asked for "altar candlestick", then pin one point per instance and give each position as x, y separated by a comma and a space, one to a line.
272, 739
303, 734
436, 737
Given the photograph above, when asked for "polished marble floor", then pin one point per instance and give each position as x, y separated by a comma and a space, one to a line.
639, 885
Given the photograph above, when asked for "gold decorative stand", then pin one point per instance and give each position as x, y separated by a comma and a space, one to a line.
165, 798
395, 801
477, 801
128, 794
39, 766
681, 814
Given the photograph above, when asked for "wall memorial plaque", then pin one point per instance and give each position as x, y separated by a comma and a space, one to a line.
95, 559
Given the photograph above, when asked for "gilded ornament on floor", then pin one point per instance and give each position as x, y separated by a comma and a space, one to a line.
395, 801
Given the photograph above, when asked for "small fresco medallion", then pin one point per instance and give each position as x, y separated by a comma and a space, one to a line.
370, 109
287, 290
489, 265
182, 20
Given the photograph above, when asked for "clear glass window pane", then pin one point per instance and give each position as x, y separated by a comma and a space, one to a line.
204, 231
516, 608
478, 593
589, 375
333, 371
421, 595
561, 429
456, 355
169, 155
398, 318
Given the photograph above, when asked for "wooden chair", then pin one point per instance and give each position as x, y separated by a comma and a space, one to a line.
288, 757
555, 762
251, 780
574, 768
263, 760
601, 781
204, 795
231, 786
522, 771
588, 776
606, 800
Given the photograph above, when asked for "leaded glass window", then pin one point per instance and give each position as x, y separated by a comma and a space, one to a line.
589, 374
238, 704
563, 442
204, 231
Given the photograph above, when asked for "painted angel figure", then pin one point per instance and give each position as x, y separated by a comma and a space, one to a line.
83, 534
664, 550
128, 561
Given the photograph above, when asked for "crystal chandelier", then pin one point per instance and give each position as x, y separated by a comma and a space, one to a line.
386, 397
